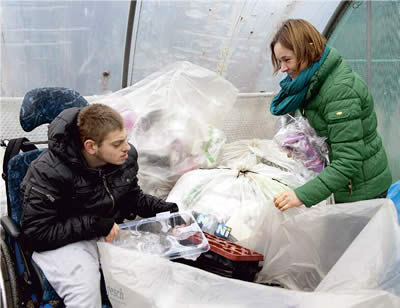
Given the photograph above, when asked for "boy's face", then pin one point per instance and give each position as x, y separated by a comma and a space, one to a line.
114, 149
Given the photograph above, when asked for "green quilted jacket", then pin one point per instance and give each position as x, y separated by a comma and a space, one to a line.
339, 107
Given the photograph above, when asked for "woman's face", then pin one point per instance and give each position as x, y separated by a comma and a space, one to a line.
287, 60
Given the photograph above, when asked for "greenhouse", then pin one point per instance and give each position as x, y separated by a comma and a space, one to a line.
253, 156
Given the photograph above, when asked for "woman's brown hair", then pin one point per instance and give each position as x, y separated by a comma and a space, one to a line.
96, 121
302, 38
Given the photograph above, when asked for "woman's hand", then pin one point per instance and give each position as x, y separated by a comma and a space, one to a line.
113, 233
287, 199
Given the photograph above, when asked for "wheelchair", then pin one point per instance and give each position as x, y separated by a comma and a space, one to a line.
23, 284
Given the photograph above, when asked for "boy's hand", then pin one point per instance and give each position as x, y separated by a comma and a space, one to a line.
171, 206
287, 199
113, 233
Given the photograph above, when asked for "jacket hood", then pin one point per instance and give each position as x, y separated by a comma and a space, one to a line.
64, 138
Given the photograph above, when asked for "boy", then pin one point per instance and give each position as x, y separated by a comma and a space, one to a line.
77, 191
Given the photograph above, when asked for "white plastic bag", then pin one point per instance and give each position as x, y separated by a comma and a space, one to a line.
372, 260
248, 153
236, 197
302, 247
366, 273
175, 116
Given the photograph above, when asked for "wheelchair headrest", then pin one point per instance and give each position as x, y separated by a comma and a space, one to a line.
42, 105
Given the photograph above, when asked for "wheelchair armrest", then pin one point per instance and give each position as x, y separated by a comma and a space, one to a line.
11, 228
14, 231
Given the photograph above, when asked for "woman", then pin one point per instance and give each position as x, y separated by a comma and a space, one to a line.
338, 106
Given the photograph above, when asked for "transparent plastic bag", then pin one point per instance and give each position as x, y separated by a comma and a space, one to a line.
302, 246
175, 116
298, 138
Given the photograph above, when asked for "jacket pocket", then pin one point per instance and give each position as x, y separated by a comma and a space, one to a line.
344, 114
43, 193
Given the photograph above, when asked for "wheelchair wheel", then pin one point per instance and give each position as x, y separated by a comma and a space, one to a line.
9, 277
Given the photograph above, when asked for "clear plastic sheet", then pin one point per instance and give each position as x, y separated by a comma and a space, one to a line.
174, 117
299, 139
359, 243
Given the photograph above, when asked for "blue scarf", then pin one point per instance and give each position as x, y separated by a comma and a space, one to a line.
293, 91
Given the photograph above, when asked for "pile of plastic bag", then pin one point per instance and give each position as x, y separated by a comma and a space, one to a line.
330, 255
174, 118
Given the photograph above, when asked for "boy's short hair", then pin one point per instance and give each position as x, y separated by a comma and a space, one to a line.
96, 121
302, 38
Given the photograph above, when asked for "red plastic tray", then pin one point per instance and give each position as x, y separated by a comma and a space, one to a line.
230, 250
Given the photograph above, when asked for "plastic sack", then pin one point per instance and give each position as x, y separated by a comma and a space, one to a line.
235, 198
372, 260
244, 154
175, 116
394, 195
302, 246
366, 273
298, 138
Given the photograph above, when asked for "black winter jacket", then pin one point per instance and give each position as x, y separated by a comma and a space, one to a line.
65, 201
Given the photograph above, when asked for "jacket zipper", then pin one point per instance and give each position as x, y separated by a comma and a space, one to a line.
108, 191
48, 196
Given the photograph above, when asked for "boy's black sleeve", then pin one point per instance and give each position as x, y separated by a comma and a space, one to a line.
146, 205
139, 203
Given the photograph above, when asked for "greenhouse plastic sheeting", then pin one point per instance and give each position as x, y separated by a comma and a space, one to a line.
366, 38
365, 275
80, 44
229, 37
